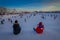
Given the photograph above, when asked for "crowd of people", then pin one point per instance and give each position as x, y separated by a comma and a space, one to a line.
17, 28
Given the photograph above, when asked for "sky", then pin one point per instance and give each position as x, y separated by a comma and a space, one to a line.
32, 5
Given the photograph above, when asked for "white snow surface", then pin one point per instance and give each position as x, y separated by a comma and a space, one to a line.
51, 31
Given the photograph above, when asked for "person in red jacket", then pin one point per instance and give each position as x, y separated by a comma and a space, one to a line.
39, 28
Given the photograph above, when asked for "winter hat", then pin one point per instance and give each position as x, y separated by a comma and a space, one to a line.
40, 23
16, 21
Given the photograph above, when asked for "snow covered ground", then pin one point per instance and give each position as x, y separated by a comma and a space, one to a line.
27, 22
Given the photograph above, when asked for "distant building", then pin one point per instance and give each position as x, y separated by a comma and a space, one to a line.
3, 10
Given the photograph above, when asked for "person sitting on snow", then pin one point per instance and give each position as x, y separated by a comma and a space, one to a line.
16, 28
39, 28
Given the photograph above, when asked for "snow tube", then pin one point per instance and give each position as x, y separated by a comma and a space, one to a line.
39, 30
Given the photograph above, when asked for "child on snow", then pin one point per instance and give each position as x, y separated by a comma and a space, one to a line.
2, 22
16, 28
39, 28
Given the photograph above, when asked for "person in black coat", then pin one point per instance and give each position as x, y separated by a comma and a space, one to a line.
16, 28
2, 22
